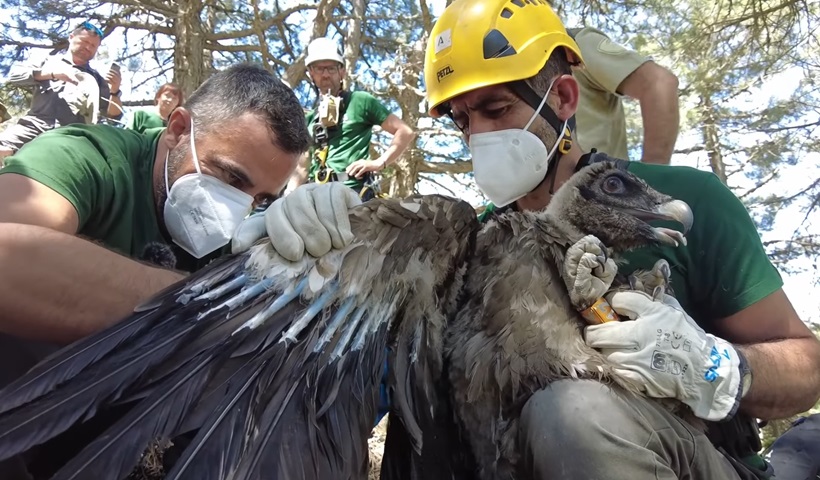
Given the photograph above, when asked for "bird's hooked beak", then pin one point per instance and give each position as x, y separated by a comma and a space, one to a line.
676, 210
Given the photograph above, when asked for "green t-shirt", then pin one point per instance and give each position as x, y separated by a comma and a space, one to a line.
107, 174
724, 268
601, 122
351, 142
142, 120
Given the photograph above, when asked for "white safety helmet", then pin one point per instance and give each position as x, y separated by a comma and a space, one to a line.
323, 49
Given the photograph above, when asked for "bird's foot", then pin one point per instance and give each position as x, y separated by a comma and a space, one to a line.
653, 282
588, 271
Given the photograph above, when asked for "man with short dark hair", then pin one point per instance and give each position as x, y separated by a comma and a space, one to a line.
234, 145
66, 90
85, 209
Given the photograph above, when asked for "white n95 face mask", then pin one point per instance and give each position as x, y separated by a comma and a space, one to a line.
202, 212
509, 164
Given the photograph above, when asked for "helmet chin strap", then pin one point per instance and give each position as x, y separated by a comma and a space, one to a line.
562, 129
532, 99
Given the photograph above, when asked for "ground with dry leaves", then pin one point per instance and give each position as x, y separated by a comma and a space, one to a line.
150, 467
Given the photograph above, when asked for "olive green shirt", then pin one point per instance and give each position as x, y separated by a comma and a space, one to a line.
106, 173
601, 122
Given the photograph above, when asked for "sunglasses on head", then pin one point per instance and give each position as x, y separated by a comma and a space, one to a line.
92, 28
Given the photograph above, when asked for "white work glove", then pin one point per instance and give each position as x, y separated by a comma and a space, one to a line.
667, 352
313, 219
588, 271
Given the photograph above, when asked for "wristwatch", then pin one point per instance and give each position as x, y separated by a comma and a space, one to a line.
745, 373
116, 94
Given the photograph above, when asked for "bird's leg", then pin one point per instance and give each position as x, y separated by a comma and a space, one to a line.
588, 271
653, 282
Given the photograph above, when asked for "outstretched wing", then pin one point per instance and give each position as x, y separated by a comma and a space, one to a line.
275, 365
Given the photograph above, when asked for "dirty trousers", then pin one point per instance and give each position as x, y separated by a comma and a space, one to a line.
584, 430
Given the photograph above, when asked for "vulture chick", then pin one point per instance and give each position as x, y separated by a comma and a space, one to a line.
518, 328
273, 366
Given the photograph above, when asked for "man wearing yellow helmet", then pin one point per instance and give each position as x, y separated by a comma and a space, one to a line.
503, 71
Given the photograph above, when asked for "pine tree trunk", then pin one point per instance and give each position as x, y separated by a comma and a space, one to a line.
407, 95
711, 137
189, 50
353, 39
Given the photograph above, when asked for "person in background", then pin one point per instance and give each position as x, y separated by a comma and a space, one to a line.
66, 90
613, 72
342, 126
168, 97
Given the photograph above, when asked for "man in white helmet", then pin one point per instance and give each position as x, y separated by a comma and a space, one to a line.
342, 126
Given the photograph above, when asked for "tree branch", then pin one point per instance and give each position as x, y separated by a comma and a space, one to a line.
462, 166
278, 18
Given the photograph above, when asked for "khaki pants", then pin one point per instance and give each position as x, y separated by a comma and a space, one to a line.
584, 430
25, 130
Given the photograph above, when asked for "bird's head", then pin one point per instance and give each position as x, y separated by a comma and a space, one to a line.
607, 201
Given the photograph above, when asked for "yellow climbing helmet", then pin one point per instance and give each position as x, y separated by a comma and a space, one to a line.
477, 43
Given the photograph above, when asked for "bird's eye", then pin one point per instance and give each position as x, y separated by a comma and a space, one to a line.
613, 184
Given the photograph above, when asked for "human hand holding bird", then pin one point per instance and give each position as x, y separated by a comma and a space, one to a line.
312, 220
664, 350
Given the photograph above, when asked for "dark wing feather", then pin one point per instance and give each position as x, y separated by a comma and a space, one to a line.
70, 361
220, 441
277, 364
117, 451
66, 364
74, 401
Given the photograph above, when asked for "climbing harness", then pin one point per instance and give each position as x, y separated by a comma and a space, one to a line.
329, 113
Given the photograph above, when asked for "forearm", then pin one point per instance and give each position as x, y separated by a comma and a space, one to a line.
58, 288
656, 89
661, 117
401, 140
25, 76
114, 107
785, 377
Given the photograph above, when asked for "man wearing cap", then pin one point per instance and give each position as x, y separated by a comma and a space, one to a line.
66, 90
342, 126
